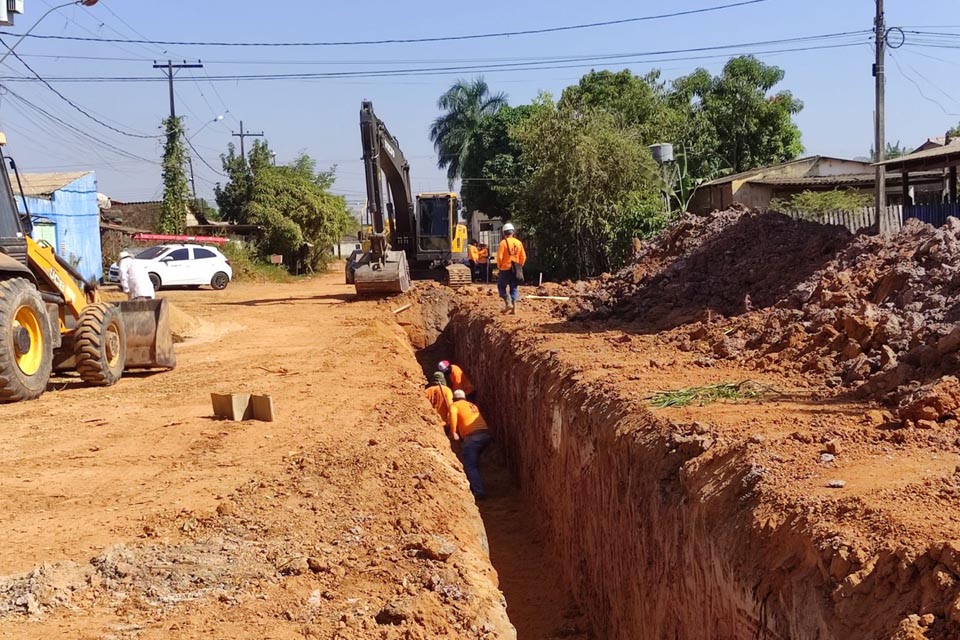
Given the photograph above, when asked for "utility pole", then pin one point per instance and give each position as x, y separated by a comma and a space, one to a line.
880, 137
193, 182
243, 135
170, 71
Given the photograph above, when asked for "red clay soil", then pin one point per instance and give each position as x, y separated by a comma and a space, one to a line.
132, 513
874, 316
800, 515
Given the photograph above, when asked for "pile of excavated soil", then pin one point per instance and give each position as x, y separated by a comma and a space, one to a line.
860, 313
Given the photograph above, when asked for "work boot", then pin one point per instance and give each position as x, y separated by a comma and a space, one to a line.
513, 306
506, 304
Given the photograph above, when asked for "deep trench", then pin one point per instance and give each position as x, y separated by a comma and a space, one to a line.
539, 603
608, 521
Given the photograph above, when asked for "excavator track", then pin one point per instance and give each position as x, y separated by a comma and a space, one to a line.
457, 275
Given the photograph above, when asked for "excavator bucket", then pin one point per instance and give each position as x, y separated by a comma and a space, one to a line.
372, 278
149, 338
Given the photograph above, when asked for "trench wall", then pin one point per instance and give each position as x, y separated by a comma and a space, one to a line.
654, 521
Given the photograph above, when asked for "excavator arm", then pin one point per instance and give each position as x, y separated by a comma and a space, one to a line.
382, 156
384, 268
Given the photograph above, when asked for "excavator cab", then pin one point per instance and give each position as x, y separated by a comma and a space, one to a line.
425, 233
50, 318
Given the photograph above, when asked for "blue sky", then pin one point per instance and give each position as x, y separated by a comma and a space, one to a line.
321, 116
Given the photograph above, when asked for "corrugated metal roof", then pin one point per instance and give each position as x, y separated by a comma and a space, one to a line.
846, 179
749, 175
930, 154
46, 184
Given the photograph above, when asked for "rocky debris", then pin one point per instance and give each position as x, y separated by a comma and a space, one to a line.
836, 484
858, 313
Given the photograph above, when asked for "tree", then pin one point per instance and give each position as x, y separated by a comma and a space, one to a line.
591, 185
492, 167
814, 203
464, 105
893, 151
640, 101
747, 127
173, 216
291, 203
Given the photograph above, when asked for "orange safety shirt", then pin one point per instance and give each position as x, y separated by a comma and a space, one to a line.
465, 419
484, 254
459, 380
441, 397
473, 253
511, 250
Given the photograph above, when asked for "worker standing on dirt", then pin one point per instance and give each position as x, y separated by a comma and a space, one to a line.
511, 256
459, 380
134, 279
484, 260
473, 257
440, 396
468, 425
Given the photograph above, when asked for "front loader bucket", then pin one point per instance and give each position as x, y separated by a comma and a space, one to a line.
149, 339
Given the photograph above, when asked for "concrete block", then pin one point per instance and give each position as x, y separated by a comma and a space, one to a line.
263, 408
232, 406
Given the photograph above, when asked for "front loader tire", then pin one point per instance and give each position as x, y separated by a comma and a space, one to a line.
26, 345
100, 345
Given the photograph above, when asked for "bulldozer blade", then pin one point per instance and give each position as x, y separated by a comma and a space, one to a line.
149, 338
371, 278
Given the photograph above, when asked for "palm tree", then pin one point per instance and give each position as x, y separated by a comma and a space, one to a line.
465, 104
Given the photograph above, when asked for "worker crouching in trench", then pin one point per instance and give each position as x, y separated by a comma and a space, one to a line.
463, 421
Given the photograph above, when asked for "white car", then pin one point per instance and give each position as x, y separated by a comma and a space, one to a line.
182, 265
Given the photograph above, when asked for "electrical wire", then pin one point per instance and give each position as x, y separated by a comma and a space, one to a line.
73, 104
510, 66
88, 136
916, 84
202, 159
478, 36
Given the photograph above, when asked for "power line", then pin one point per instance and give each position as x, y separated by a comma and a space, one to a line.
478, 36
75, 130
72, 103
517, 66
202, 159
919, 88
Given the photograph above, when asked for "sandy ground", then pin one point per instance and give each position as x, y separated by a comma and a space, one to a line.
131, 512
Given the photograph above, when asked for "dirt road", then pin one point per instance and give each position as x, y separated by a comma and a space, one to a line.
202, 528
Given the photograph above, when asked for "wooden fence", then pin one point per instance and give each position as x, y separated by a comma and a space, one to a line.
858, 219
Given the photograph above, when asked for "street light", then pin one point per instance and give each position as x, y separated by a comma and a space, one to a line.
197, 132
193, 181
85, 3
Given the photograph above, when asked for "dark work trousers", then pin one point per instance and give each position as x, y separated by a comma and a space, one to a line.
473, 447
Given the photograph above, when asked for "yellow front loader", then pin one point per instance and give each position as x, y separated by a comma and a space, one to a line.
51, 319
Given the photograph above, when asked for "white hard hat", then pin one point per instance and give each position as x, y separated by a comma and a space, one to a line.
509, 227
125, 254
459, 395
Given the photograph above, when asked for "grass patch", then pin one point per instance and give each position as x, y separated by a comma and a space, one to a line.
247, 266
702, 396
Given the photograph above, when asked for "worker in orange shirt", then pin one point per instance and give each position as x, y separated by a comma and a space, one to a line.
511, 256
468, 425
459, 380
484, 259
473, 257
441, 397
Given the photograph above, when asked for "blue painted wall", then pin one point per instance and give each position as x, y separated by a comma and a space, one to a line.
76, 213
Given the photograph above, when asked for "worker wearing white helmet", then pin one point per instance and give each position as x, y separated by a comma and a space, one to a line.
468, 425
511, 256
134, 279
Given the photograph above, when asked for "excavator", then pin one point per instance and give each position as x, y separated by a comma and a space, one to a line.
422, 236
51, 319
